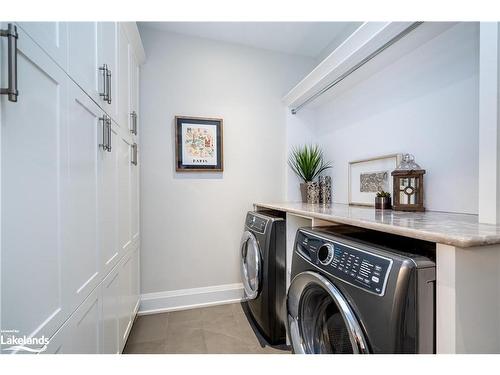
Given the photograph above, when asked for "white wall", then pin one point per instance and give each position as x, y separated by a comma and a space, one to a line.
192, 222
425, 103
300, 131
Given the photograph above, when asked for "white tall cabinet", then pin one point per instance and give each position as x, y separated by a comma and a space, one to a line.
70, 240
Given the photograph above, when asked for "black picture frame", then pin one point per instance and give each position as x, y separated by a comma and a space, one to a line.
197, 164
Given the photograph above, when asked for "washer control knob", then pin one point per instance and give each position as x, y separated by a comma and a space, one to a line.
325, 254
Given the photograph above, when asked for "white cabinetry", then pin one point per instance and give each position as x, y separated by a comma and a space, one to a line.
79, 195
52, 37
108, 56
33, 283
125, 310
134, 130
134, 200
123, 79
133, 91
82, 56
110, 312
108, 212
92, 61
85, 326
69, 213
123, 194
136, 278
82, 333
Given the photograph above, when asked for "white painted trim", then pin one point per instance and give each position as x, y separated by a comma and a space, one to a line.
489, 168
134, 38
183, 299
445, 300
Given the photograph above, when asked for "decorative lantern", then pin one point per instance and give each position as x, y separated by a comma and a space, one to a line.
408, 185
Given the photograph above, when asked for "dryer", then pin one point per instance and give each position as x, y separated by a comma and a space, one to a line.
263, 267
361, 291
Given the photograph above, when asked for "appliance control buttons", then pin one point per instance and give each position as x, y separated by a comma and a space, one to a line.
356, 267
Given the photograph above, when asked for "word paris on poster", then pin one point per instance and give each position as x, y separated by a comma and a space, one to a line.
199, 145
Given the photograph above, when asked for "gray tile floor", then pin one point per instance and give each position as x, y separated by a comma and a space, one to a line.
213, 330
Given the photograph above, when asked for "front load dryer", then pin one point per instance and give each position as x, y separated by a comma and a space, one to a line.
263, 264
361, 291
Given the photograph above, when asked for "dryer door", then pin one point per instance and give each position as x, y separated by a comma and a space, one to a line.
320, 319
250, 265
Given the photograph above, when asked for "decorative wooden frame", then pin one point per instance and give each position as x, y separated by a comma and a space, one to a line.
397, 159
179, 166
418, 175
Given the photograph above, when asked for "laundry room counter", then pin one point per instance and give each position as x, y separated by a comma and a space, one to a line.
467, 264
454, 229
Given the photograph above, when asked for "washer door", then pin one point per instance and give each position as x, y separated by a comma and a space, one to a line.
250, 265
320, 320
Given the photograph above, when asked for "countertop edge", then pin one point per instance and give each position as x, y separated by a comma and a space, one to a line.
406, 232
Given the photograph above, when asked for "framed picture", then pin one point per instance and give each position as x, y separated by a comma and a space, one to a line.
368, 176
198, 144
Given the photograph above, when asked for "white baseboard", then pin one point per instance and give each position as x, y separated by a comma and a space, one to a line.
152, 303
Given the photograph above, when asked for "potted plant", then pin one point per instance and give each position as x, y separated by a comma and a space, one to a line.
307, 163
383, 200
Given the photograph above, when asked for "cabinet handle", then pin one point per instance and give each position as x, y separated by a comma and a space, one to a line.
12, 35
133, 116
104, 93
108, 78
109, 133
105, 133
134, 154
135, 123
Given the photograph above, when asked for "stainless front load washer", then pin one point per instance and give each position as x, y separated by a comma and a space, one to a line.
360, 291
263, 265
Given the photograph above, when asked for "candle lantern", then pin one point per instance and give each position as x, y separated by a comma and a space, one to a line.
408, 185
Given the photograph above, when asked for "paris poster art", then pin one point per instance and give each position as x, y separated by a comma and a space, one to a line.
199, 144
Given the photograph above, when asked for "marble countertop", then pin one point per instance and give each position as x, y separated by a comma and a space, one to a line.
461, 230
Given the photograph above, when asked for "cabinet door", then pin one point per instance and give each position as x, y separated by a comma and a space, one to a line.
136, 282
32, 284
124, 193
82, 56
80, 186
134, 200
125, 300
108, 198
134, 173
123, 81
52, 37
85, 327
133, 87
110, 312
59, 343
108, 54
82, 332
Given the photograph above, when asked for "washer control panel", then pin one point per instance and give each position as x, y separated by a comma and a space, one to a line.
357, 267
256, 223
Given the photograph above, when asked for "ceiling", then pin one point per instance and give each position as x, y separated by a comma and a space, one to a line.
309, 39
